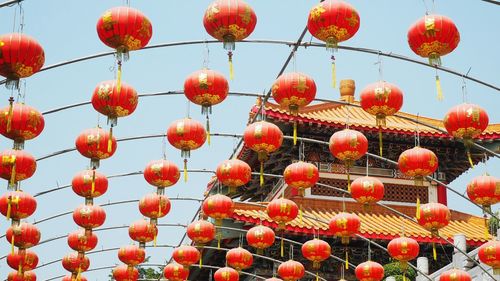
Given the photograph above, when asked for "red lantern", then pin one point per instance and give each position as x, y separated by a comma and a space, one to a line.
20, 122
273, 279
22, 276
175, 272
75, 263
348, 146
142, 231
281, 211
229, 21
82, 241
17, 165
483, 190
264, 138
206, 88
89, 216
367, 190
226, 274
23, 236
201, 232
96, 144
161, 173
218, 207
466, 121
291, 270
124, 29
301, 175
154, 206
433, 216
433, 36
260, 237
24, 260
17, 205
186, 255
20, 56
108, 100
71, 277
403, 249
131, 255
239, 258
345, 225
489, 253
233, 173
89, 184
186, 134
455, 275
418, 162
316, 251
125, 273
369, 271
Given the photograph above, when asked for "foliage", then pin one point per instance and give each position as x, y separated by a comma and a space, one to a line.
394, 269
494, 224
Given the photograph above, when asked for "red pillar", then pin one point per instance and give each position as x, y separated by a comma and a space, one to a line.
442, 195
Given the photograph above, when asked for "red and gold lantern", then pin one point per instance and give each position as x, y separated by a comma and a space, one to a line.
142, 231
455, 275
82, 241
433, 216
316, 251
281, 211
301, 175
96, 144
291, 270
23, 235
403, 249
108, 100
466, 122
239, 258
418, 162
89, 184
131, 255
489, 253
186, 255
22, 276
229, 21
22, 260
226, 274
201, 232
345, 225
154, 206
20, 56
233, 173
161, 173
17, 165
260, 237
186, 134
381, 99
482, 190
332, 22
17, 205
20, 122
367, 190
293, 91
348, 146
264, 138
89, 216
218, 207
369, 271
75, 263
175, 272
273, 279
125, 273
72, 277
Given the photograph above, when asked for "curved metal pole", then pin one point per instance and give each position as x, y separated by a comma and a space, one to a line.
10, 3
281, 42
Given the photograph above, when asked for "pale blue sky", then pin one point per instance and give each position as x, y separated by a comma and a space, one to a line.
66, 29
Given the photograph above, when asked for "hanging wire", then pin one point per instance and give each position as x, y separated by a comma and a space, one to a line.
21, 18
367, 167
15, 18
164, 147
188, 109
379, 64
464, 86
301, 151
294, 60
206, 56
369, 251
417, 132
23, 94
426, 8
291, 251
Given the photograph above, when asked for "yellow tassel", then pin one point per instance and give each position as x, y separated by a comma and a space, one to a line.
12, 243
13, 174
334, 75
230, 61
317, 276
10, 201
440, 96
20, 269
9, 118
185, 170
119, 77
261, 173
110, 140
346, 259
93, 183
294, 133
486, 232
79, 272
434, 253
282, 247
201, 261
154, 240
348, 181
404, 275
8, 209
469, 157
380, 144
417, 215
218, 240
208, 131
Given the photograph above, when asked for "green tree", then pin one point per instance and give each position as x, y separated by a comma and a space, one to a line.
394, 269
493, 224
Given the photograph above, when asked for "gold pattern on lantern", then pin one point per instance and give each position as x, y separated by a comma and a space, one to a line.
326, 33
239, 33
301, 84
437, 47
246, 17
212, 10
316, 12
353, 19
107, 20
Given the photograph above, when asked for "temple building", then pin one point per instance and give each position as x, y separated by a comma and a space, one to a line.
320, 203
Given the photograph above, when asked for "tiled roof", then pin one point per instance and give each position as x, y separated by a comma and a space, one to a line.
333, 114
376, 222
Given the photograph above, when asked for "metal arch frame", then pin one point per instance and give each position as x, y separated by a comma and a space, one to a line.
10, 3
